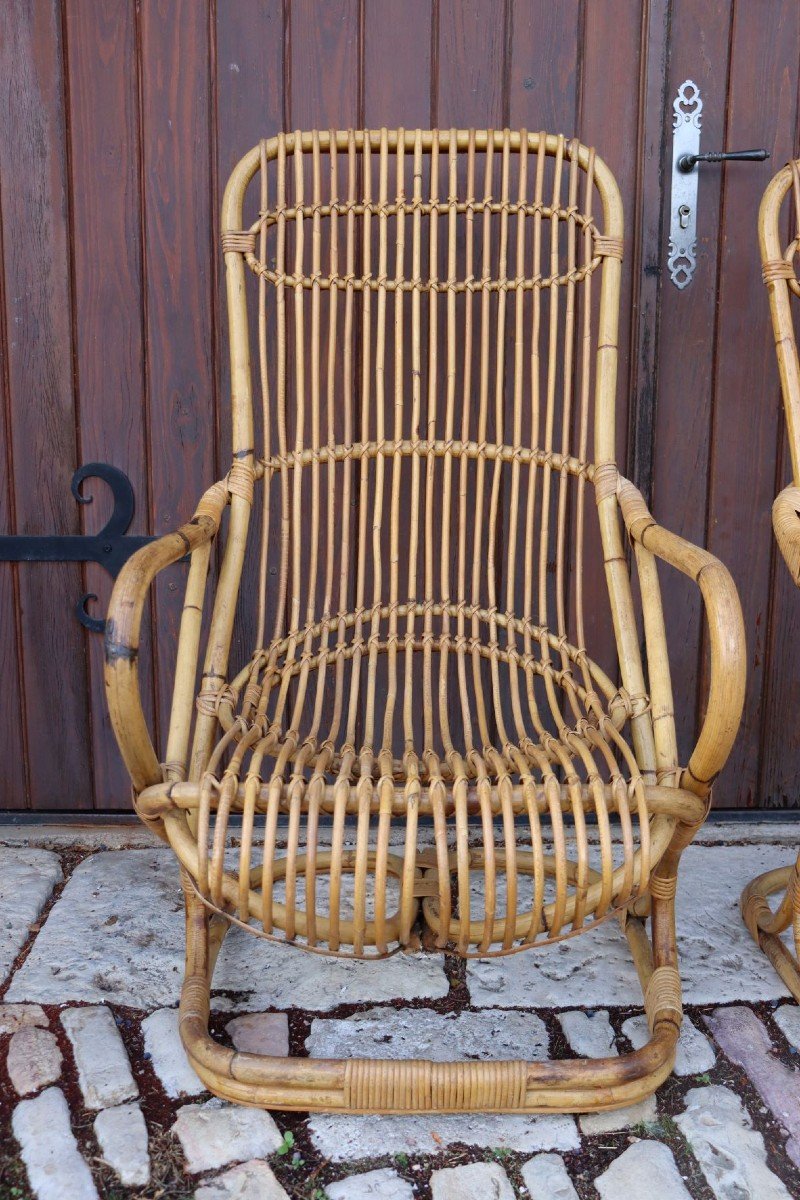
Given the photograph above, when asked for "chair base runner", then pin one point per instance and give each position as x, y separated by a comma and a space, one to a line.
766, 926
413, 1086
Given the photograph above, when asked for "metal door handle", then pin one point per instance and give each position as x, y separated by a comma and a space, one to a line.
687, 162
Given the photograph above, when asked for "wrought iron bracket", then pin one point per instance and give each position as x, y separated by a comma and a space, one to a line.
110, 548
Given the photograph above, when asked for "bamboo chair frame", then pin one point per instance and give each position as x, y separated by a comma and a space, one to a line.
780, 277
413, 338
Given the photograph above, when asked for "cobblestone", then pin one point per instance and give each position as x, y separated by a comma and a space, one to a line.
122, 1136
478, 1181
162, 1042
21, 1016
546, 1178
614, 1119
694, 1055
746, 1042
253, 1180
589, 1034
104, 1073
788, 1019
730, 1152
216, 1133
375, 1185
644, 1169
261, 1033
55, 1166
34, 1059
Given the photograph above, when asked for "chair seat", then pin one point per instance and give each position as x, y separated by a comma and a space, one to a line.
529, 837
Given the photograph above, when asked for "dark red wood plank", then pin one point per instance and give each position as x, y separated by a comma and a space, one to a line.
180, 280
685, 365
471, 88
397, 64
13, 780
250, 103
33, 194
106, 254
324, 65
762, 109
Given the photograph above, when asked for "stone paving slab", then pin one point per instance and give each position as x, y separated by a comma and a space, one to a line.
27, 877
339, 1138
420, 1033
117, 936
719, 961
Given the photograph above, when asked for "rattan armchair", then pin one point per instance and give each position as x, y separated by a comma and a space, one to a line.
421, 750
765, 924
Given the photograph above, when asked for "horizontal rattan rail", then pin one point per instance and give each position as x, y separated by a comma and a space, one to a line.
445, 733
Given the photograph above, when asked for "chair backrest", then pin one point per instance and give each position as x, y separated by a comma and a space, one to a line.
778, 253
437, 324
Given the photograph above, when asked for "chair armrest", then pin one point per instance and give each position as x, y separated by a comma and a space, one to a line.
123, 627
786, 523
726, 635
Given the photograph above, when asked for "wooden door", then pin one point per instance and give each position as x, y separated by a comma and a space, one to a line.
119, 122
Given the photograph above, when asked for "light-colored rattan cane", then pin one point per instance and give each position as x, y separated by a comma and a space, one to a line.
420, 748
765, 924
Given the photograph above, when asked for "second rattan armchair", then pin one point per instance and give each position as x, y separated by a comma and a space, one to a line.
422, 736
767, 925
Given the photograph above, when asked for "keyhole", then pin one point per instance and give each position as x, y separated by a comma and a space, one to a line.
683, 216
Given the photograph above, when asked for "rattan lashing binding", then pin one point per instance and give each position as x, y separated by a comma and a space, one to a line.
765, 924
420, 746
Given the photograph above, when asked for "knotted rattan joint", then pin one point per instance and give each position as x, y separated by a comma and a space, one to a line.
726, 635
786, 523
123, 628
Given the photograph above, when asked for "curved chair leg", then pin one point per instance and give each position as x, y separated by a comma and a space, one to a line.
402, 1086
766, 926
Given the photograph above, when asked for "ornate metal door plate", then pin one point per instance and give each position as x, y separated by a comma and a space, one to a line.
687, 109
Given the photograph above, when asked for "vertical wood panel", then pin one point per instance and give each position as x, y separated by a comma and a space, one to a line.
34, 197
472, 71
250, 104
762, 106
176, 148
106, 253
14, 791
685, 351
